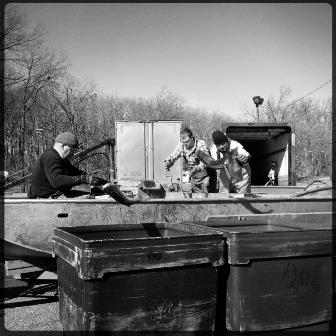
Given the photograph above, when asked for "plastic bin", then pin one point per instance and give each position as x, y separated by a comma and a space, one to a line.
140, 277
278, 276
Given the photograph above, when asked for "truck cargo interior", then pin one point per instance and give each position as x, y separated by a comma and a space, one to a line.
267, 143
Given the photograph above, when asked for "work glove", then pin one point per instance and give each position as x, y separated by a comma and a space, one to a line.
93, 180
168, 164
195, 170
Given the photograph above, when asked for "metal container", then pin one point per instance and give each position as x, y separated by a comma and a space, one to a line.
141, 148
138, 277
279, 271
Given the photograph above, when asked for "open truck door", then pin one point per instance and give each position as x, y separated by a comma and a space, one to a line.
267, 142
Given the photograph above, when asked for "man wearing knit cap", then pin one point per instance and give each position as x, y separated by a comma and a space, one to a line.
53, 175
237, 156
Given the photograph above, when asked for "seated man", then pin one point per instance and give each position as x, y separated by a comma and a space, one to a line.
53, 175
232, 163
202, 178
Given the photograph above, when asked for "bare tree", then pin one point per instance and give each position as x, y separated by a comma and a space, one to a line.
75, 99
274, 109
280, 110
166, 105
30, 67
16, 40
39, 67
314, 133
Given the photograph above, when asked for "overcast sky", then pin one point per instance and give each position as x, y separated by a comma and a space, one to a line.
216, 56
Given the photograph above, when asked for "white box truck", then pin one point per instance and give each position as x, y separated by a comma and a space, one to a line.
141, 147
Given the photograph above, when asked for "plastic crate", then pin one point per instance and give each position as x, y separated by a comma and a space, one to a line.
141, 277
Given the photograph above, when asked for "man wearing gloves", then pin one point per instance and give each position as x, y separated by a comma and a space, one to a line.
232, 163
53, 175
226, 145
202, 178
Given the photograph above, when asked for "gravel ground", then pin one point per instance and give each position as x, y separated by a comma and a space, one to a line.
31, 313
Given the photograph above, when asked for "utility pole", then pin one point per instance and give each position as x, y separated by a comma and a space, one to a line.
258, 101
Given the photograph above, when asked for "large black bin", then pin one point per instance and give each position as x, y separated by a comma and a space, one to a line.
278, 271
140, 277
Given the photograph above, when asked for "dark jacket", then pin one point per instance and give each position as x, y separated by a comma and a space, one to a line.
52, 174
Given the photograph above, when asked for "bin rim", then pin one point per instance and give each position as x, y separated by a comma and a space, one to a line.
72, 230
229, 228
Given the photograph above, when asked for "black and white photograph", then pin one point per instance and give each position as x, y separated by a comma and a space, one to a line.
167, 168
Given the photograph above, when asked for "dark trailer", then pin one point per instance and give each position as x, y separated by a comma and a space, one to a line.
267, 142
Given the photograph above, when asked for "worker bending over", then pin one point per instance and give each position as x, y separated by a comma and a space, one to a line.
202, 178
224, 146
232, 162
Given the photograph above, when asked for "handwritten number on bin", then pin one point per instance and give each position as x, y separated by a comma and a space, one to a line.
299, 279
162, 310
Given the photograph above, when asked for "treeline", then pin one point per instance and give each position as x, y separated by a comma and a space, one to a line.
42, 98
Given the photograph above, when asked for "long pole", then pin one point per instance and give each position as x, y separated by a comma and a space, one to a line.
38, 143
112, 163
152, 148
